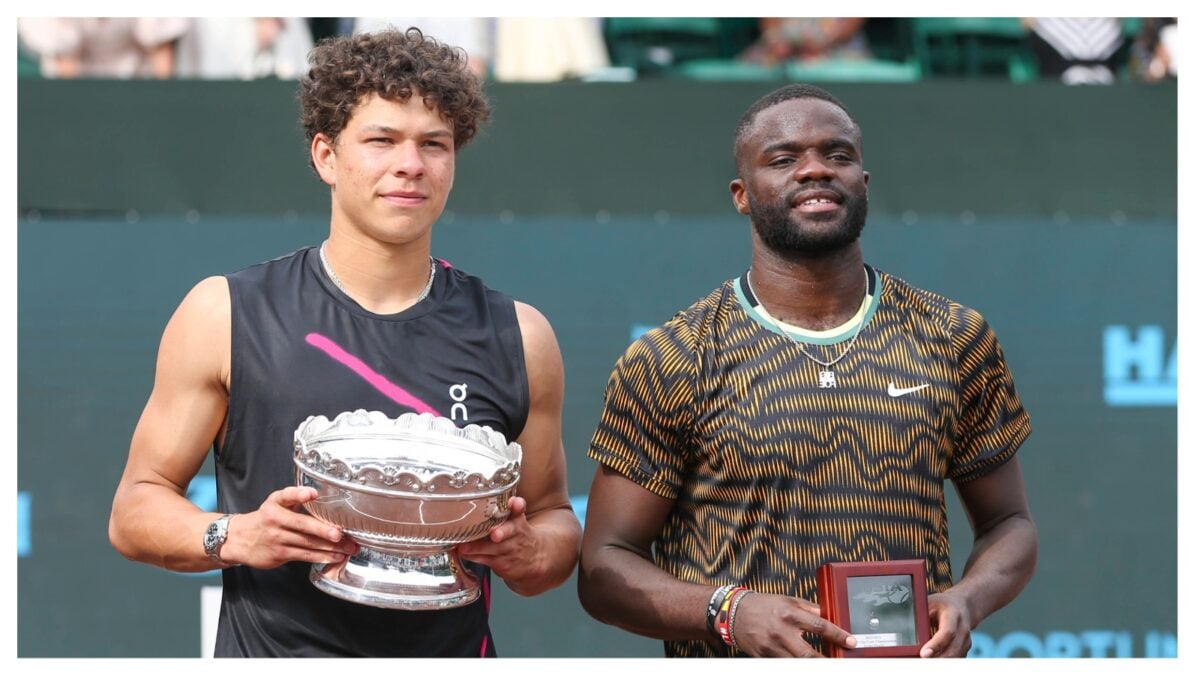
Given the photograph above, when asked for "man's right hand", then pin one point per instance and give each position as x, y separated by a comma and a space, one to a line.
279, 533
774, 625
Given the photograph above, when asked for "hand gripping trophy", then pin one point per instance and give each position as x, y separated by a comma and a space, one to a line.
408, 490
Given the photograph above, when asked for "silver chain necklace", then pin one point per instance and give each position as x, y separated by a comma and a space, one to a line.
338, 282
826, 379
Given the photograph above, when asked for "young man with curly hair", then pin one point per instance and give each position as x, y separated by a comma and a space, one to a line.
369, 320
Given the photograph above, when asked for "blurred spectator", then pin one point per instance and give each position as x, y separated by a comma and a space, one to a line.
103, 47
244, 48
807, 39
545, 50
1154, 50
472, 34
1077, 50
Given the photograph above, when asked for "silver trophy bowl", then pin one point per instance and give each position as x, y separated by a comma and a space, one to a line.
408, 490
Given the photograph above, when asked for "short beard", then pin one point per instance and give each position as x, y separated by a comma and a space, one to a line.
775, 227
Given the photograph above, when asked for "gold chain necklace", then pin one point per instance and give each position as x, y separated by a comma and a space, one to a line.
338, 282
826, 379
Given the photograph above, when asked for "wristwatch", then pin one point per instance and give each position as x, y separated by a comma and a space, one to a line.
214, 537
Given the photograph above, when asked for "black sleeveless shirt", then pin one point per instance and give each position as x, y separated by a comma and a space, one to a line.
301, 347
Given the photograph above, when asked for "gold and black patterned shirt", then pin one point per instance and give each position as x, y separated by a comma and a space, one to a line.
776, 468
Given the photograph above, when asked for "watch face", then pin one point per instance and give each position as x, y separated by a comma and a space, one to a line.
211, 537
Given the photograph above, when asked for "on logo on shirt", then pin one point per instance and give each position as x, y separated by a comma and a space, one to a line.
458, 394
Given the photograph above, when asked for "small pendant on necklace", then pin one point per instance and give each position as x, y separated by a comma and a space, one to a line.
826, 380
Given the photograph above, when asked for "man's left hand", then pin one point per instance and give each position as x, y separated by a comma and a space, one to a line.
511, 549
951, 621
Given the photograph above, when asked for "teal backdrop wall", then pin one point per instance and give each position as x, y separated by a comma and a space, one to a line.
1050, 209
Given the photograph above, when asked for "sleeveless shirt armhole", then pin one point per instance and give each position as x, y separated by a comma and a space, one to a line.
232, 418
517, 349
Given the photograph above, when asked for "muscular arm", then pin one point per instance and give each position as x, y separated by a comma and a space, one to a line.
619, 583
1001, 563
152, 521
537, 547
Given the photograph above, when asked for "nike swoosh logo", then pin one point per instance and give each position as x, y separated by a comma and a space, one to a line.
893, 391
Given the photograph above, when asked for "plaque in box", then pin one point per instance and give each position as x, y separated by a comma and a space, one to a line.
883, 604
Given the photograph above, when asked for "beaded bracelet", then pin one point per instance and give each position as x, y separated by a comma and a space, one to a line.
733, 616
714, 608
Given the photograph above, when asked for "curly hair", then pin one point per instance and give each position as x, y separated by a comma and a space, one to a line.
394, 65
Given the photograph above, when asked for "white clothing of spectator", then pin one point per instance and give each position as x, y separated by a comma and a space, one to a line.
535, 49
472, 34
245, 48
99, 47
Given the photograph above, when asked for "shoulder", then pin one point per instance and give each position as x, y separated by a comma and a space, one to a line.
536, 330
208, 299
702, 315
268, 269
462, 284
686, 331
461, 277
898, 292
543, 360
196, 338
966, 333
673, 350
540, 346
952, 316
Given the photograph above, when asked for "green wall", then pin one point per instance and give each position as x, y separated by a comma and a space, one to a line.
606, 207
579, 148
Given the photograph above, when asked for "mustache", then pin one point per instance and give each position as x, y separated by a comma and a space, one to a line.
810, 187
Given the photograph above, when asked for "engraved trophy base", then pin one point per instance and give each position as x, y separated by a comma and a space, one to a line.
414, 578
